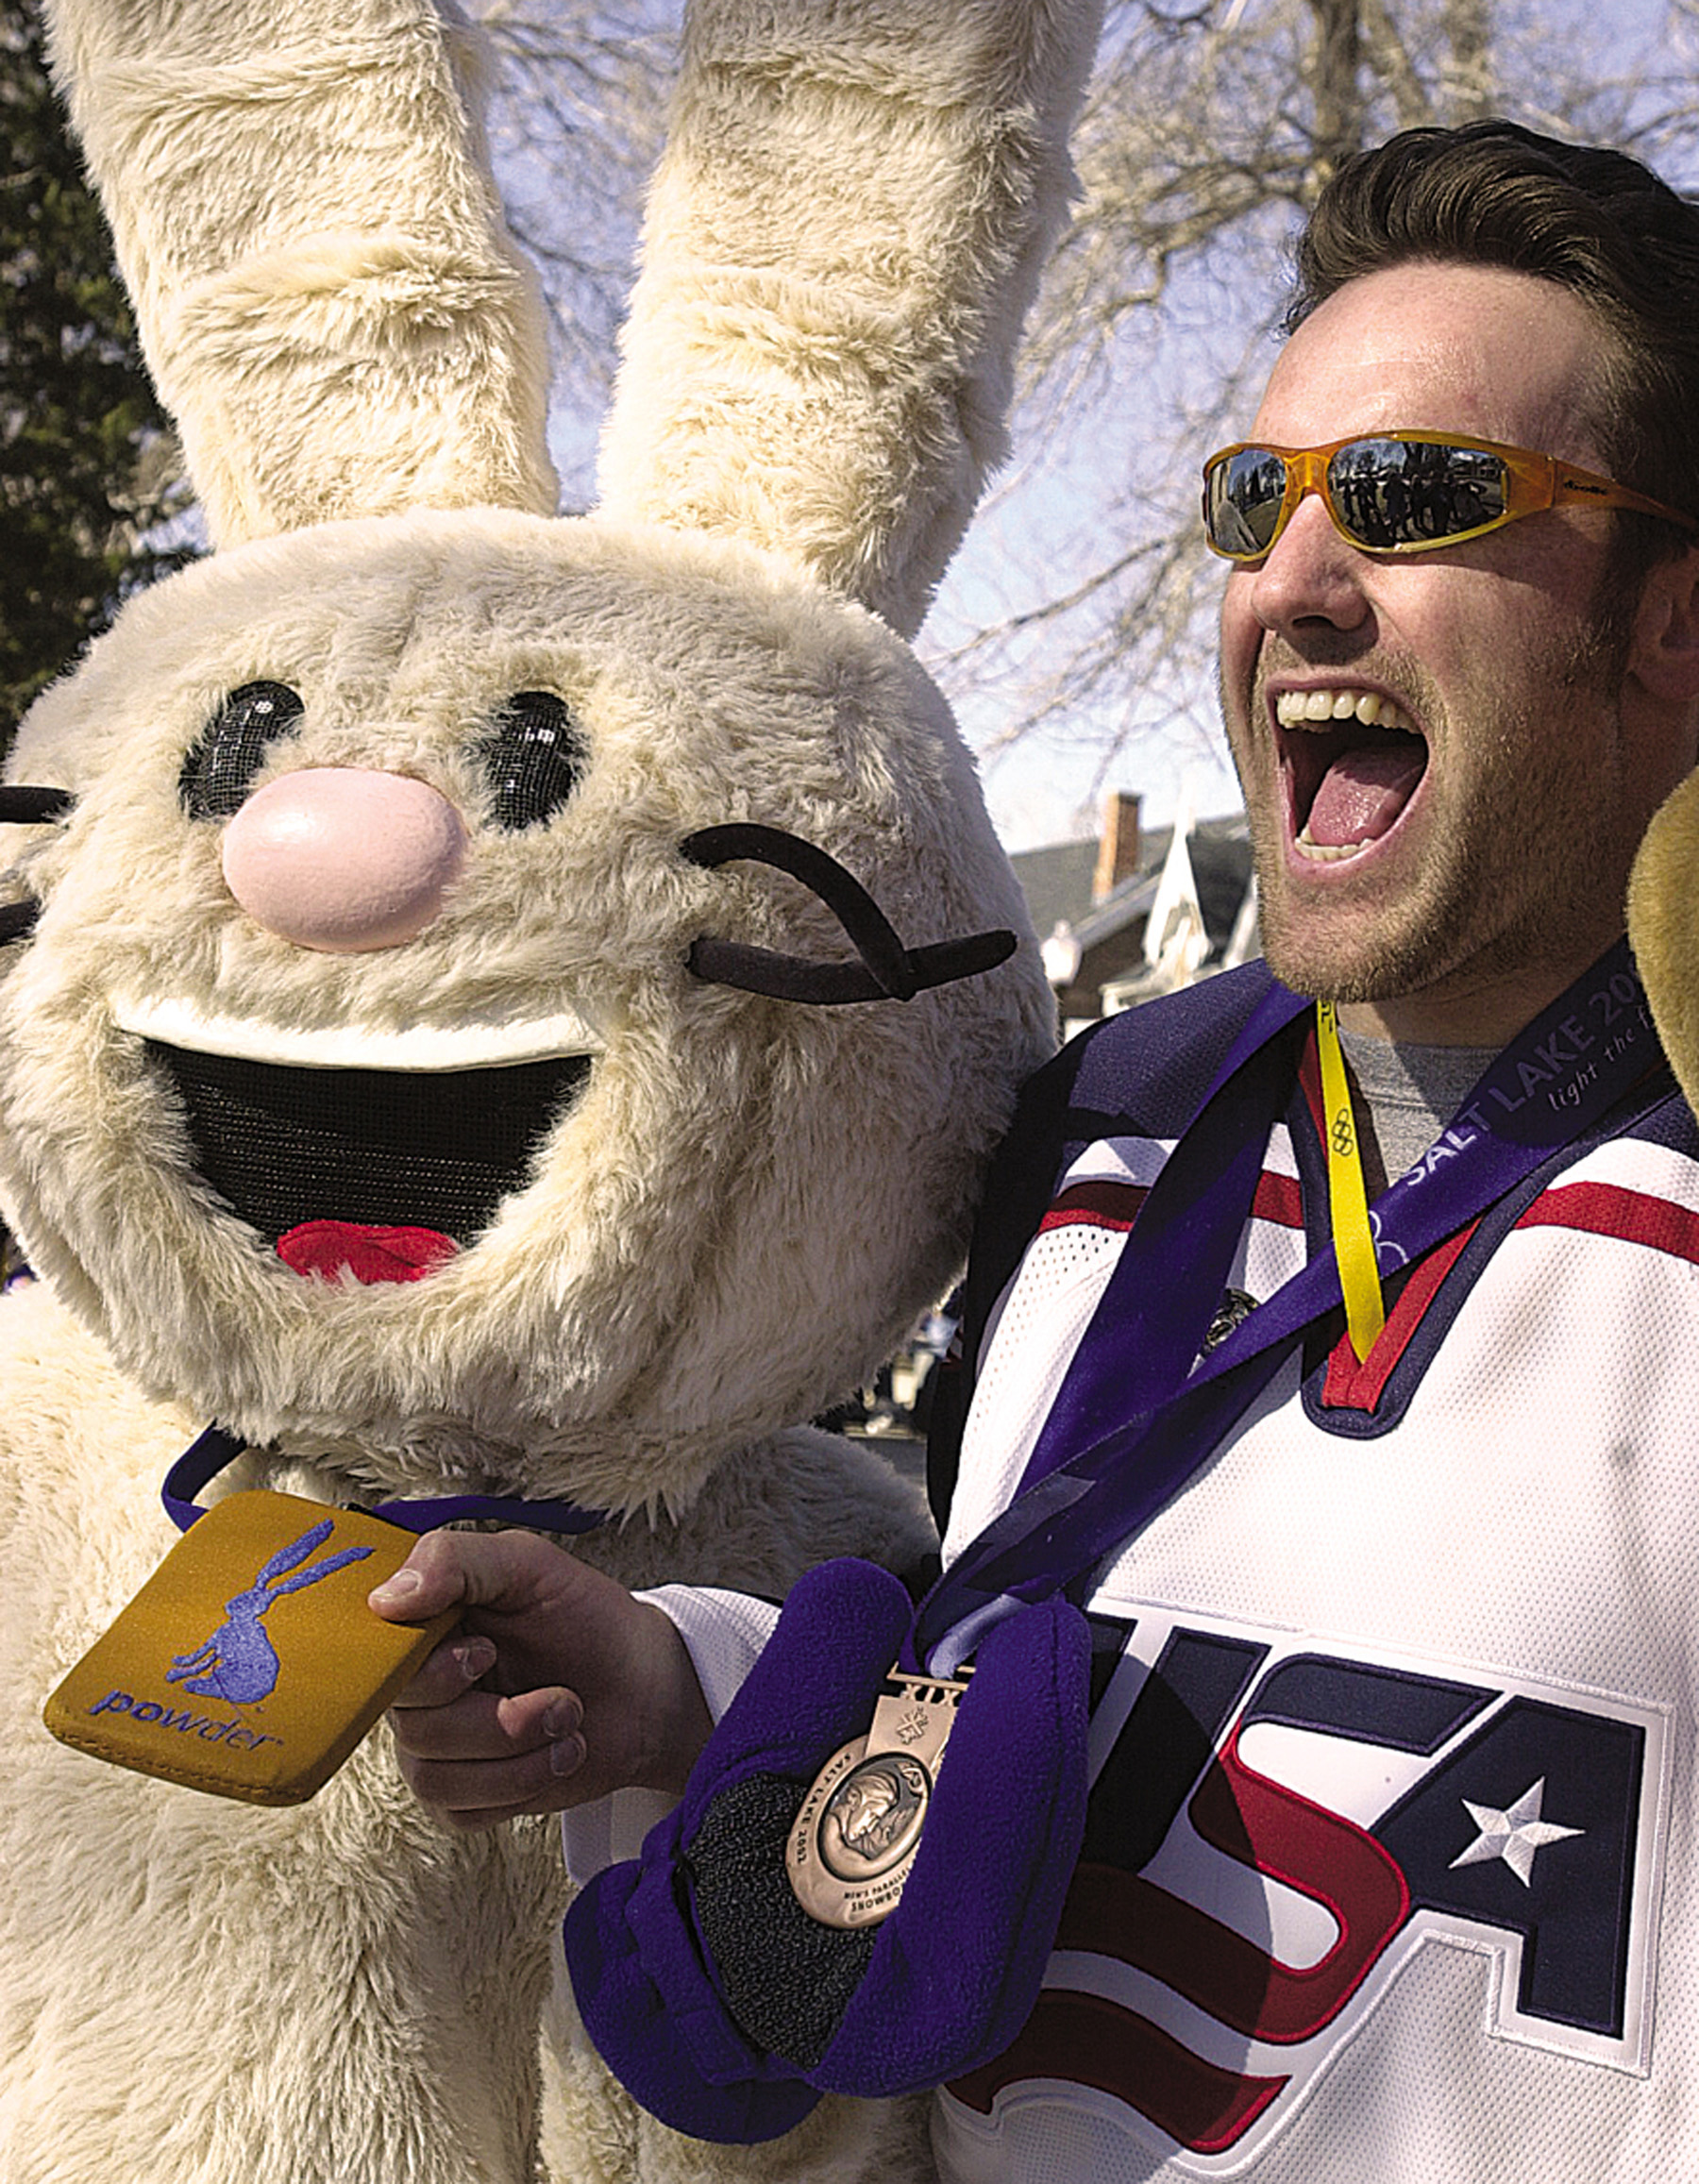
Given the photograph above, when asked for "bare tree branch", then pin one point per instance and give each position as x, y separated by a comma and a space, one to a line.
575, 127
1207, 132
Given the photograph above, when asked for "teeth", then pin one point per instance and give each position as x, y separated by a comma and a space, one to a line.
1327, 852
1294, 708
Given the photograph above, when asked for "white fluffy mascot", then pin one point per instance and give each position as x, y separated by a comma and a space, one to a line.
430, 1048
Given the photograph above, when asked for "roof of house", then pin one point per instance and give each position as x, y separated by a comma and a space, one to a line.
1056, 882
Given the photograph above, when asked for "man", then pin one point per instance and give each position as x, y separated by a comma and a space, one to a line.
1389, 1867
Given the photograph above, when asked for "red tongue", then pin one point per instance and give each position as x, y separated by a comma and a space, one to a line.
370, 1254
1364, 791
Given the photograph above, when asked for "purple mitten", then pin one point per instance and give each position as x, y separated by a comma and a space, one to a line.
720, 2004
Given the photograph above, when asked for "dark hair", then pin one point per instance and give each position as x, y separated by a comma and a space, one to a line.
1589, 219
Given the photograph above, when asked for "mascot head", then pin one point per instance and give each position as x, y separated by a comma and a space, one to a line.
494, 994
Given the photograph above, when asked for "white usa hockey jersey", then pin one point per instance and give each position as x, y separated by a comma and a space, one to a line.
1389, 1875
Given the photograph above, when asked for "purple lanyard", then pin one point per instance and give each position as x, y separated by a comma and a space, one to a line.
215, 1449
1137, 1414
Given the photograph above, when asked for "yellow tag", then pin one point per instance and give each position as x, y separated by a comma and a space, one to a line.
1347, 1198
250, 1664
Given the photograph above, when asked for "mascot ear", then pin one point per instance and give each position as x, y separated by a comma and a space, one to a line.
842, 240
328, 300
1663, 928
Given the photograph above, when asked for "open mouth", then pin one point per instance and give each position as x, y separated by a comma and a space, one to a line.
381, 1173
1353, 762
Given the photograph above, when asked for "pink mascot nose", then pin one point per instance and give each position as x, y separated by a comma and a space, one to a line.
342, 859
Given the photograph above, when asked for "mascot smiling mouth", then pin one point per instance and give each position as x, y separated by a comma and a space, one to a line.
385, 1173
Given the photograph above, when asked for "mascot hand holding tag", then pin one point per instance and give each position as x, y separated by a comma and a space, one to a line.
494, 1010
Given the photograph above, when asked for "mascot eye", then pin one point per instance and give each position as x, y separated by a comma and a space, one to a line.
533, 758
224, 759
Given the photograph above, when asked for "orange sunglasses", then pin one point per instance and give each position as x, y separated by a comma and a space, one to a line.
1397, 493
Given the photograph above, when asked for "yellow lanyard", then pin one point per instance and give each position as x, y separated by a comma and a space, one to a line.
1347, 1200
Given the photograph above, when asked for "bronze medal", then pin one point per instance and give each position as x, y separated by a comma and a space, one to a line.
853, 1841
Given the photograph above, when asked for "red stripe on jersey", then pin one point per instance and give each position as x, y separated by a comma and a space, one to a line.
1600, 1209
1309, 1078
1288, 1838
1278, 1199
1087, 2039
1107, 1204
1357, 1384
1101, 1205
1607, 1209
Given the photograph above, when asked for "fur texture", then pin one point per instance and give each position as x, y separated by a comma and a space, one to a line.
839, 390
716, 1195
336, 1995
1661, 929
719, 1211
329, 302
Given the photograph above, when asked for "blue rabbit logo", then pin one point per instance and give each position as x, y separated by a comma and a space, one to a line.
238, 1663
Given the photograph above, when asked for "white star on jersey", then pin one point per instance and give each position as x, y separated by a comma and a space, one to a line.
1516, 1835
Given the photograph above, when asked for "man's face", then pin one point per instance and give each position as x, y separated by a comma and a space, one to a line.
1446, 774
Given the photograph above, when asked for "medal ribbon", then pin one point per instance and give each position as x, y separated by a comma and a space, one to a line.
1138, 1412
1347, 1200
1151, 1322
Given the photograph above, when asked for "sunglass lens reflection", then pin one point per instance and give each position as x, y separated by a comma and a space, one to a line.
1392, 493
1245, 493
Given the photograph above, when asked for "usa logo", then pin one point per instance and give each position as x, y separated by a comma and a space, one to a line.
1277, 1830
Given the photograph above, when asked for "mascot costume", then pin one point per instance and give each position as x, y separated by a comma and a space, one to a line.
500, 1017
